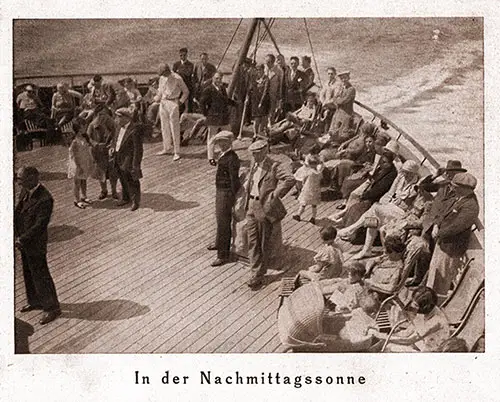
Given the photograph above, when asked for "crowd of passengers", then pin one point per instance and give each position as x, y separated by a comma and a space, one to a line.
422, 222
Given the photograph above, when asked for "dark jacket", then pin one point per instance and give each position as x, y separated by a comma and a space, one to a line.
202, 76
215, 106
381, 183
444, 197
455, 225
31, 219
129, 157
295, 88
227, 175
185, 71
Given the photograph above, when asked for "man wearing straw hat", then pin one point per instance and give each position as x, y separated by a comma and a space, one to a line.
227, 184
268, 182
451, 231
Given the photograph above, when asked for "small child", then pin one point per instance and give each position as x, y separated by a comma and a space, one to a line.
310, 176
80, 163
345, 294
328, 259
384, 272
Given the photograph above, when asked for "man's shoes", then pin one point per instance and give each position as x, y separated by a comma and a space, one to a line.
255, 283
313, 221
296, 217
176, 157
102, 196
211, 247
162, 152
212, 162
135, 206
50, 316
115, 196
218, 262
30, 307
121, 203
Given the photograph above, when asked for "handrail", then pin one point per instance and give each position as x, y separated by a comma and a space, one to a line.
407, 136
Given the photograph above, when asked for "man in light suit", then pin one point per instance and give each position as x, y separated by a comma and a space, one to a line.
126, 150
268, 182
31, 219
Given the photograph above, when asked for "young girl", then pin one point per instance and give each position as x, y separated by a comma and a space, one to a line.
310, 176
345, 293
259, 100
328, 259
80, 163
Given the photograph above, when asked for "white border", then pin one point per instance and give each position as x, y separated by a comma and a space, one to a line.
389, 377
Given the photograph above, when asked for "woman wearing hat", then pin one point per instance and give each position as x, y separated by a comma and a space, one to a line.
393, 205
451, 233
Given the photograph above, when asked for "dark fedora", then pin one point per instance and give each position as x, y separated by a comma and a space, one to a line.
455, 166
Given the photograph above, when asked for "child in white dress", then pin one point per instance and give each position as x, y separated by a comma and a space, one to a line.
80, 163
310, 176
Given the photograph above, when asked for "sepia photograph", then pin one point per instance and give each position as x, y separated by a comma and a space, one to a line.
248, 185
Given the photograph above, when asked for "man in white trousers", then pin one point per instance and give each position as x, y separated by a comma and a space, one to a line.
172, 92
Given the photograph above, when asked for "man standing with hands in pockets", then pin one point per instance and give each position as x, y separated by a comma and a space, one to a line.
172, 92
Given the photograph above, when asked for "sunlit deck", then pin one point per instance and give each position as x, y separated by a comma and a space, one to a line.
141, 282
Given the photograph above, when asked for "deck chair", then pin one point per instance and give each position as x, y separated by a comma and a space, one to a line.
468, 284
67, 133
35, 132
471, 329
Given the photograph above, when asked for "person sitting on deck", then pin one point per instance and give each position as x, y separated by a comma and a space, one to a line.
101, 92
63, 104
384, 273
451, 232
428, 328
152, 107
345, 293
393, 205
31, 107
328, 258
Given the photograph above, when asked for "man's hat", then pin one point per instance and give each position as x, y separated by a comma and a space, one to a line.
28, 88
224, 136
455, 166
392, 146
257, 145
464, 180
344, 72
123, 111
183, 50
97, 78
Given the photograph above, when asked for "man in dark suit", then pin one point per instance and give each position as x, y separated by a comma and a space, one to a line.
185, 69
451, 232
215, 104
295, 84
267, 183
227, 184
202, 75
31, 219
127, 150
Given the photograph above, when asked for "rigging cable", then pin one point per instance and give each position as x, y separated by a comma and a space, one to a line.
312, 52
256, 43
229, 44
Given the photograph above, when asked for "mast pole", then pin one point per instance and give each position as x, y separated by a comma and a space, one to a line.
242, 56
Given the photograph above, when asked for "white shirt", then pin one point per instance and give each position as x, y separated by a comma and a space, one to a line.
173, 88
258, 171
121, 135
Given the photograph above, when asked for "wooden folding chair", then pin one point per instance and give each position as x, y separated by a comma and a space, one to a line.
36, 132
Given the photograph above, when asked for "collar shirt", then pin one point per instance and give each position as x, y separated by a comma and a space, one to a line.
173, 88
331, 90
257, 174
26, 102
30, 192
121, 134
224, 153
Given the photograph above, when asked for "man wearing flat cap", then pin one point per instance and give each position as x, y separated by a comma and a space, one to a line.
227, 184
126, 150
451, 232
268, 182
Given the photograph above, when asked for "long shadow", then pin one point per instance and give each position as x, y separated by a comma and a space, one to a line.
53, 176
292, 260
104, 310
158, 202
22, 331
59, 233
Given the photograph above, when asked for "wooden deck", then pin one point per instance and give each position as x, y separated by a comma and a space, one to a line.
141, 282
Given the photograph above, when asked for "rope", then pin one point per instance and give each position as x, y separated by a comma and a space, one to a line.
229, 44
312, 52
264, 35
